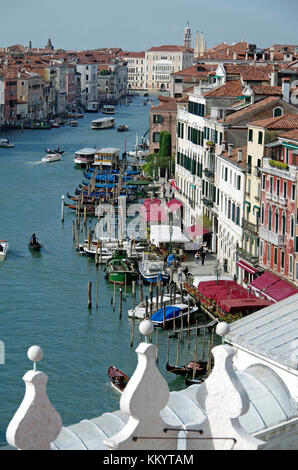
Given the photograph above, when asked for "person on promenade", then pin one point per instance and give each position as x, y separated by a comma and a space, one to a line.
180, 271
197, 257
203, 256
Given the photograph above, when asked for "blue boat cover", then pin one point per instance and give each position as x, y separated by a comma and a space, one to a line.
169, 313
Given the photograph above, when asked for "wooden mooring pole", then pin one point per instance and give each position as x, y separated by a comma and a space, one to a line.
89, 295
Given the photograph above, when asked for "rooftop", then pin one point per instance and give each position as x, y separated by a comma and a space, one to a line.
271, 332
287, 121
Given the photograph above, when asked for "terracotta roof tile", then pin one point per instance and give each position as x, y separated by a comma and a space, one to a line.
287, 121
251, 108
231, 88
291, 135
266, 90
234, 157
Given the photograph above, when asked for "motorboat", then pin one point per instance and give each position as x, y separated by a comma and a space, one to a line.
169, 314
3, 249
5, 143
51, 157
152, 269
139, 311
108, 109
122, 128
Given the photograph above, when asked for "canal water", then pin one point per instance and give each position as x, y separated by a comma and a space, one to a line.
44, 297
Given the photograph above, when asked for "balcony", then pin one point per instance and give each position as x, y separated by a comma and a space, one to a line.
252, 228
207, 202
282, 200
209, 174
272, 237
252, 259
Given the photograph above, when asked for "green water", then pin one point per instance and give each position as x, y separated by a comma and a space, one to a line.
44, 297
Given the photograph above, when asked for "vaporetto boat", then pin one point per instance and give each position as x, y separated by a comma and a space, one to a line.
103, 123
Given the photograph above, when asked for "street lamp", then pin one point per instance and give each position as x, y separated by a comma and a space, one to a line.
171, 234
217, 270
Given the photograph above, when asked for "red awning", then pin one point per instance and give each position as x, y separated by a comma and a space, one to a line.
154, 212
246, 267
273, 287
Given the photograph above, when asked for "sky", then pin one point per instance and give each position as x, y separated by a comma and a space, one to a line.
136, 25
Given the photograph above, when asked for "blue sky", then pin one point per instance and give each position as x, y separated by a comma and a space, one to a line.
135, 25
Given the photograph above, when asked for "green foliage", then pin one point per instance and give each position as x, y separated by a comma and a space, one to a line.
165, 144
281, 165
155, 161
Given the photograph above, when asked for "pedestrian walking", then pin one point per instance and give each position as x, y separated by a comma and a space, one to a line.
180, 274
197, 257
203, 256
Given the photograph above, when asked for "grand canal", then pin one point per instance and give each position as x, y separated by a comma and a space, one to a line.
44, 298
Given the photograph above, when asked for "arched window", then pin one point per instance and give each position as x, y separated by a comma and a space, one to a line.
277, 112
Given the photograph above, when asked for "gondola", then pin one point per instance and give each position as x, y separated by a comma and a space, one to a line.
34, 244
187, 369
90, 209
118, 379
57, 150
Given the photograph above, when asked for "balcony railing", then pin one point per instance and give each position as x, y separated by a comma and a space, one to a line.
272, 237
252, 259
209, 174
250, 227
207, 202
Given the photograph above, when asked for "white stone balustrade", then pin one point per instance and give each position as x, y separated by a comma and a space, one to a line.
224, 400
36, 423
144, 397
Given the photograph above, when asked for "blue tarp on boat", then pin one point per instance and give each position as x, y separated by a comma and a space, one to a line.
170, 311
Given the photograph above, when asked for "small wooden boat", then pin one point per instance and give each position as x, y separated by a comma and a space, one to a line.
90, 209
3, 249
187, 369
73, 123
34, 244
118, 379
120, 271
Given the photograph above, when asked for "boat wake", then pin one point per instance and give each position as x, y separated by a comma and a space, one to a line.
33, 163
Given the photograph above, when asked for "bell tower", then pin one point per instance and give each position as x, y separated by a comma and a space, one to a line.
187, 36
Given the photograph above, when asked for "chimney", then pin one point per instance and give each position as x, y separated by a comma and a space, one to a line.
230, 150
239, 155
274, 75
286, 89
223, 146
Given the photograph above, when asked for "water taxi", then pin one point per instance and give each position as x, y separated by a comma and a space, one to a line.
51, 157
3, 249
84, 156
5, 143
102, 123
108, 109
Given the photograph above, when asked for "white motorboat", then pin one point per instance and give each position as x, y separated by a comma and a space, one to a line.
3, 249
172, 313
51, 157
5, 143
152, 269
139, 311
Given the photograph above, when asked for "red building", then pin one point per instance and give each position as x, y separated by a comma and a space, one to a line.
278, 205
10, 97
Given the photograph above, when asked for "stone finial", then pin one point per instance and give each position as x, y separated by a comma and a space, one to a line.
36, 423
224, 400
144, 397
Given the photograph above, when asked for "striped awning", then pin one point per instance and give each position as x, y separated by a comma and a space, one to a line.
246, 267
